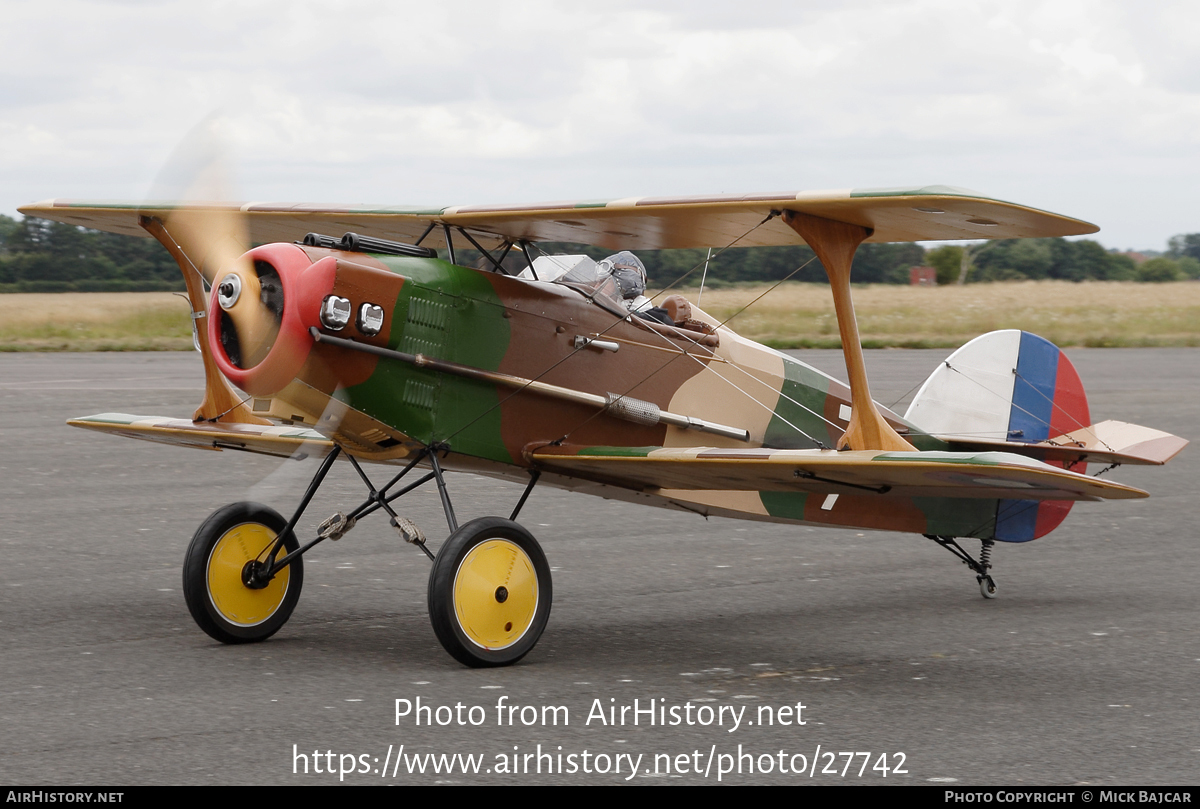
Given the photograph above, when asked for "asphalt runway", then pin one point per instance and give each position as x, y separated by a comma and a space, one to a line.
1084, 670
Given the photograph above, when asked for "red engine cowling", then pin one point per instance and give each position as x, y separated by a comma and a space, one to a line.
260, 313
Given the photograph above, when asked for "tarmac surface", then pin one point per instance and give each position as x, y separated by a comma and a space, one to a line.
1084, 670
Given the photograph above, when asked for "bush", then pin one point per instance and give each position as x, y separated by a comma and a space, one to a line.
1159, 270
1189, 266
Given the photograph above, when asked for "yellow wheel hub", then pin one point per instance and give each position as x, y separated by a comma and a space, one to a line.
236, 602
495, 594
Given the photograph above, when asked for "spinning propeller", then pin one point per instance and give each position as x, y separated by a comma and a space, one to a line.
255, 305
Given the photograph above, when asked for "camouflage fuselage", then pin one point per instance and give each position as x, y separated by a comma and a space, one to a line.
523, 329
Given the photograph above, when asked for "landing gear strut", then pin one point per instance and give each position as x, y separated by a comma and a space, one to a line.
489, 589
987, 587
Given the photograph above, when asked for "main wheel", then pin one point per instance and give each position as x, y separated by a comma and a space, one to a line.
215, 572
489, 593
987, 587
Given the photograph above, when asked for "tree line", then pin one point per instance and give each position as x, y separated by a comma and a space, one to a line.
37, 255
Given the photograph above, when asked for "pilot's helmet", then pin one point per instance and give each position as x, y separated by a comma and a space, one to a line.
629, 273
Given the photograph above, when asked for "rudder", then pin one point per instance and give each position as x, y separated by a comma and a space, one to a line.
1007, 385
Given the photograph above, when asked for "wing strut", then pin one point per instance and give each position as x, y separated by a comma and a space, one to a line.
835, 243
220, 402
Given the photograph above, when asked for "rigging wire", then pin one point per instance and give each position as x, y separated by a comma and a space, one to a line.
1059, 408
820, 444
780, 392
904, 395
703, 276
815, 441
768, 292
1014, 404
783, 394
182, 252
709, 366
611, 326
704, 263
217, 417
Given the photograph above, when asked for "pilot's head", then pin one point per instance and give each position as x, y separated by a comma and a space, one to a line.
629, 273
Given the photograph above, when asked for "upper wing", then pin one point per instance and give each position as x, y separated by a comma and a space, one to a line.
646, 223
894, 474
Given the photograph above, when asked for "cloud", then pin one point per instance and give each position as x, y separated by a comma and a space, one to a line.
396, 102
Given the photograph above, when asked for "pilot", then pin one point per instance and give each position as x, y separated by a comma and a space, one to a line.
630, 276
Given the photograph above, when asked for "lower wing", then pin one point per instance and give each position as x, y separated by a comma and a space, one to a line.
891, 474
263, 439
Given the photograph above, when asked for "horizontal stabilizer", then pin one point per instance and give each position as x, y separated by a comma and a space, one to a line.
265, 440
1110, 442
894, 474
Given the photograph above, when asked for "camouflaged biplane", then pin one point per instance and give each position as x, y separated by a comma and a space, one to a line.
381, 347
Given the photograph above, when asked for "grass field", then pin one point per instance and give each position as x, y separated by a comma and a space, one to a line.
95, 321
792, 316
1096, 313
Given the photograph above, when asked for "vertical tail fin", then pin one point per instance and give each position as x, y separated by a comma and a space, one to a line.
1007, 386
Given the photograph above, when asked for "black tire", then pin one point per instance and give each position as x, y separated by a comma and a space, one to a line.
220, 603
489, 593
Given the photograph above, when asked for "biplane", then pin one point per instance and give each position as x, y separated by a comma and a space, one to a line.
357, 333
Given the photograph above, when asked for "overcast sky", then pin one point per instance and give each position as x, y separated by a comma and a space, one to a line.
1090, 109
